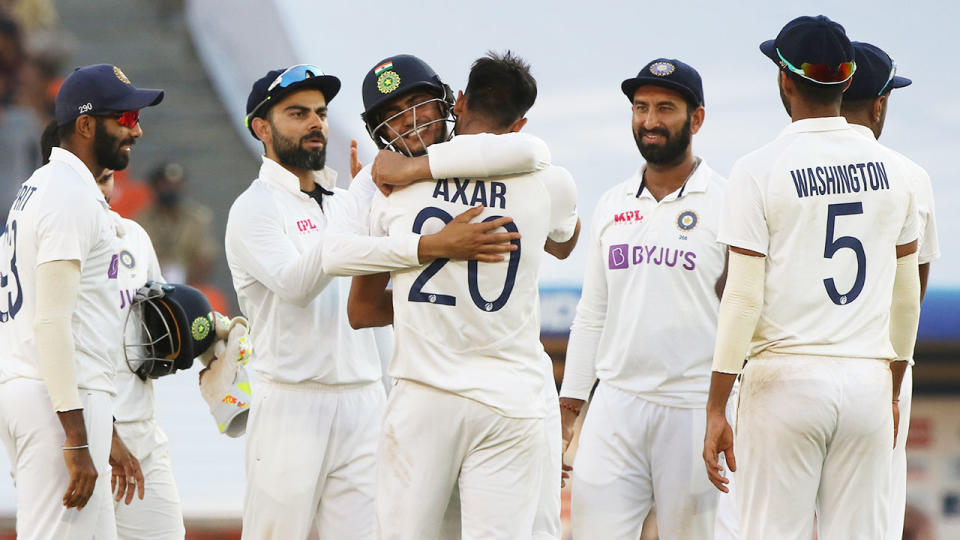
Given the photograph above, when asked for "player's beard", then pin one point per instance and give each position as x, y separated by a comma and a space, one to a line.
673, 148
106, 148
291, 153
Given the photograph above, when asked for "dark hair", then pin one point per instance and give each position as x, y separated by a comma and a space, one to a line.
501, 88
856, 105
819, 94
49, 139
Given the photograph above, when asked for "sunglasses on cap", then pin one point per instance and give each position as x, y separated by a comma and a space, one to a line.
127, 119
893, 73
821, 73
292, 75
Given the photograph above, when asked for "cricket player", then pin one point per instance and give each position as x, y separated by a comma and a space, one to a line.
645, 325
467, 337
865, 108
317, 395
59, 321
822, 298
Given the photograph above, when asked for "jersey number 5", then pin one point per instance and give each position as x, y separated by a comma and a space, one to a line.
833, 245
416, 291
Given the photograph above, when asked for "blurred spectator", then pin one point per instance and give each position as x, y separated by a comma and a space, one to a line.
916, 525
19, 126
182, 232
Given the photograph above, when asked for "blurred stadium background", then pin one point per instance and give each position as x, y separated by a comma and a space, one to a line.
206, 53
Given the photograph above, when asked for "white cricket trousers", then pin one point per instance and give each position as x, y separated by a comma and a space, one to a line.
814, 435
898, 470
432, 440
34, 439
546, 523
632, 452
159, 516
311, 460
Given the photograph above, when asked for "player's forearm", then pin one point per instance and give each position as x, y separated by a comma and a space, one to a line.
562, 250
739, 312
370, 304
486, 154
57, 283
897, 368
721, 384
905, 307
74, 427
579, 370
357, 255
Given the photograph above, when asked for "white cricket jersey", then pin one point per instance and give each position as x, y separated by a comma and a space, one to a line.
473, 328
928, 243
647, 316
60, 214
827, 207
349, 250
138, 264
297, 312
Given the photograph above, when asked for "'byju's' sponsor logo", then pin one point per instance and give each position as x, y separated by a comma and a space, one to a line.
624, 255
618, 256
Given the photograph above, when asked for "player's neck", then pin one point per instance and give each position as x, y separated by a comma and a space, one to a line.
86, 155
802, 110
663, 179
862, 118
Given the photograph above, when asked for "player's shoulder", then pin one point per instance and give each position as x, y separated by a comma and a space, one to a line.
255, 204
555, 175
130, 227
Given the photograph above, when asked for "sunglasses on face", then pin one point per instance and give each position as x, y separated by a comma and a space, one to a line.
292, 75
821, 73
127, 119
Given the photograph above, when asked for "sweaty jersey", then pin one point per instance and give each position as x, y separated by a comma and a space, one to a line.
468, 327
60, 214
827, 206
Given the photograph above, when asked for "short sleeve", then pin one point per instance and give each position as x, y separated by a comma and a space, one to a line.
743, 222
563, 204
911, 224
67, 229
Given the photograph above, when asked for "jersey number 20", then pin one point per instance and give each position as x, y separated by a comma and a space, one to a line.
833, 245
416, 291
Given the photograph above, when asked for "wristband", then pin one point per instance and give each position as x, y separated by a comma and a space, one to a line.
81, 447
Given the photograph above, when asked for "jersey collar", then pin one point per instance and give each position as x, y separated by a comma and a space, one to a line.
697, 182
71, 160
276, 174
809, 125
863, 130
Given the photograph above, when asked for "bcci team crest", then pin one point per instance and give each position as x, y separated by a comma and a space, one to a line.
123, 78
200, 328
662, 69
388, 82
127, 260
687, 220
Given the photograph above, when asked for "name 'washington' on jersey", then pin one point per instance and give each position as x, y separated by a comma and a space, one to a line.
827, 207
469, 327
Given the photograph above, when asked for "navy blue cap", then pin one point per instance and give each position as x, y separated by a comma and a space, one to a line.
302, 76
813, 40
100, 88
667, 73
396, 76
874, 68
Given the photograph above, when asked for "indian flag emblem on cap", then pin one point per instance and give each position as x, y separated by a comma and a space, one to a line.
386, 66
388, 82
662, 69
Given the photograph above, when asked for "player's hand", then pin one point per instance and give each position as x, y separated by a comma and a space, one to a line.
355, 164
564, 473
719, 438
83, 477
568, 419
896, 422
127, 477
463, 240
391, 169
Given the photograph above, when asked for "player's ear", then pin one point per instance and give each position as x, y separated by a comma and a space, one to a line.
517, 125
460, 105
86, 126
696, 119
262, 129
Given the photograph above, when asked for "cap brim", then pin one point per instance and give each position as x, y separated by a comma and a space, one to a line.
140, 98
900, 82
328, 84
630, 86
769, 49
